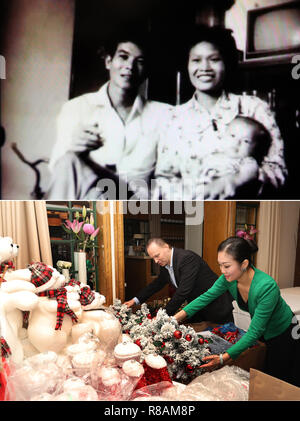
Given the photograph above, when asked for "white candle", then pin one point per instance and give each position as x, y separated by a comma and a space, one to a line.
178, 88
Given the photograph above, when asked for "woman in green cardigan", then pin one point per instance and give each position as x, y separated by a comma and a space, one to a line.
272, 320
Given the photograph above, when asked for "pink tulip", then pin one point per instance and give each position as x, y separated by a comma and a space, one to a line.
68, 224
241, 233
95, 233
88, 229
252, 230
75, 226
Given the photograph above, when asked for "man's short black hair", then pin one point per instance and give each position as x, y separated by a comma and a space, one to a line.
138, 36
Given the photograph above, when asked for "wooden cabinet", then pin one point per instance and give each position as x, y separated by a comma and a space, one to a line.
297, 264
219, 223
222, 220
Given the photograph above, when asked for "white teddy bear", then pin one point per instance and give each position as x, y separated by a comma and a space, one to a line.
8, 251
15, 296
54, 306
60, 306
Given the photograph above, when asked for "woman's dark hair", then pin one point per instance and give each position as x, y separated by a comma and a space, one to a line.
222, 39
239, 248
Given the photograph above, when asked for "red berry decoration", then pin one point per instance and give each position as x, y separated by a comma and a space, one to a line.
189, 368
188, 337
201, 341
149, 316
177, 334
168, 359
138, 342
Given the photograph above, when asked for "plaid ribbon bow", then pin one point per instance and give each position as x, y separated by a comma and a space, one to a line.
62, 305
86, 294
6, 265
40, 273
4, 347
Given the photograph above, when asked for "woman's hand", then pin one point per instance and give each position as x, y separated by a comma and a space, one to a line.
86, 138
214, 361
272, 173
181, 315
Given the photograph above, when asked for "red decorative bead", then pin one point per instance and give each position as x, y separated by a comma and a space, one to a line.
177, 334
201, 341
149, 316
163, 344
169, 359
138, 342
188, 337
189, 368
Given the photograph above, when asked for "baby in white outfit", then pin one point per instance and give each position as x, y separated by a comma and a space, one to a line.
236, 159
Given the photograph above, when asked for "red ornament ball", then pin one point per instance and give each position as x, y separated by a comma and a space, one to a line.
138, 342
188, 337
177, 334
201, 341
149, 316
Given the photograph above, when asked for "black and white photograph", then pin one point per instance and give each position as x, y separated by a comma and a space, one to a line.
168, 116
149, 206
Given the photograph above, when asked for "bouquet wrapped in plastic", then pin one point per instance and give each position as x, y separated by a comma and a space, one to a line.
37, 375
229, 383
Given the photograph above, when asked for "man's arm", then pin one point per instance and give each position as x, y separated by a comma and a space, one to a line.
72, 134
153, 287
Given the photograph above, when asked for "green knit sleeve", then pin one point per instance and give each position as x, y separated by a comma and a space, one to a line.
266, 302
218, 288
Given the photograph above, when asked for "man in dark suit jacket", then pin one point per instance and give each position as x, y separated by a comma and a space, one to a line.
191, 276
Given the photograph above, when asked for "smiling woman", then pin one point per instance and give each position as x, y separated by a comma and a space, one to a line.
199, 129
206, 68
257, 293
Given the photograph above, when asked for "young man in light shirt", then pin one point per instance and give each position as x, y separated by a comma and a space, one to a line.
111, 134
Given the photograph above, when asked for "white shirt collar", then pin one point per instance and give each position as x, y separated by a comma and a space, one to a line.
102, 99
221, 102
171, 262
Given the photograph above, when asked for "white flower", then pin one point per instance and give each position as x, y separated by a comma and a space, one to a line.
63, 265
167, 330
